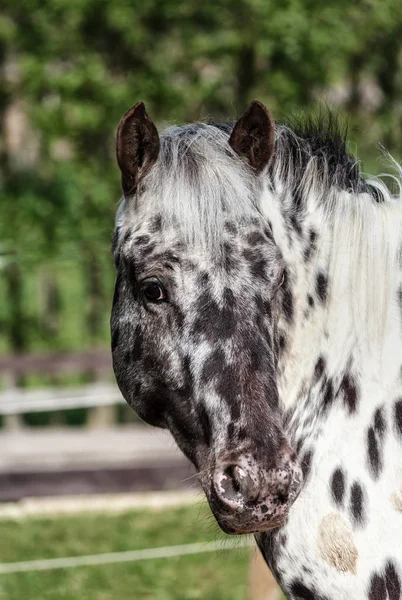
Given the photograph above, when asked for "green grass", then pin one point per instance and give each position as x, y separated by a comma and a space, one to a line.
209, 576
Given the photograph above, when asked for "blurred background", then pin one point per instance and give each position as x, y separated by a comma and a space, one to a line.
69, 69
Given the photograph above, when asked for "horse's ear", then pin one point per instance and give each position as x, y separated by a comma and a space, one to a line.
137, 146
253, 136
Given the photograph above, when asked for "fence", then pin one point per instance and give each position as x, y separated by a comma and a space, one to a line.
99, 396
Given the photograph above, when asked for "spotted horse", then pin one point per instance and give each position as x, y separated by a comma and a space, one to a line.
258, 316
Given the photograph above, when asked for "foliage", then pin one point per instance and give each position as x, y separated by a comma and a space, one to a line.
70, 68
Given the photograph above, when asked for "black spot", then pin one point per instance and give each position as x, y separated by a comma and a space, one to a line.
398, 416
255, 238
282, 342
373, 452
301, 592
142, 240
357, 503
167, 257
379, 422
242, 434
127, 236
147, 250
257, 263
268, 230
392, 581
385, 585
321, 287
264, 509
311, 246
338, 486
230, 227
310, 301
328, 394
319, 369
349, 393
377, 589
230, 431
115, 337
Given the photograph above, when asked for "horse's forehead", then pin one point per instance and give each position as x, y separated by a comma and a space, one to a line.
155, 227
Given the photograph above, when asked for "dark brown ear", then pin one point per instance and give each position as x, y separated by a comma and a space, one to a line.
137, 146
253, 136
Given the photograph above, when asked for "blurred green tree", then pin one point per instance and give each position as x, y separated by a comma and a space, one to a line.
70, 68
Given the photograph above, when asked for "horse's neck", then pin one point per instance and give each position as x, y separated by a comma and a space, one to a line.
340, 330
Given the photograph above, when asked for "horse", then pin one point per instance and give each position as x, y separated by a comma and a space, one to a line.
257, 316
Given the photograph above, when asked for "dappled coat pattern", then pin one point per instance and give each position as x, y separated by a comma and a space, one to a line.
258, 316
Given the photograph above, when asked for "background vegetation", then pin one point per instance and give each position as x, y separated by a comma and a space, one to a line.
212, 576
70, 68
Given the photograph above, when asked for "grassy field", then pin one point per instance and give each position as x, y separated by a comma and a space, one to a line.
218, 575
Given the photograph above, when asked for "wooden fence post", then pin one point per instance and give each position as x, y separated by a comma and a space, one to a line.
11, 422
262, 585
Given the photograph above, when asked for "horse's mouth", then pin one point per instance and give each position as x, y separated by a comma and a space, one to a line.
252, 528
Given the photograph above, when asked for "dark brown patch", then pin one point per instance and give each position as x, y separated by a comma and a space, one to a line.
398, 416
373, 453
357, 504
328, 394
319, 369
338, 486
380, 426
142, 240
385, 585
255, 238
322, 287
349, 393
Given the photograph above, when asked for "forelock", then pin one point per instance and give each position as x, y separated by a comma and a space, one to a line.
198, 183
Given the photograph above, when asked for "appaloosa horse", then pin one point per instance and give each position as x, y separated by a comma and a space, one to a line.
258, 316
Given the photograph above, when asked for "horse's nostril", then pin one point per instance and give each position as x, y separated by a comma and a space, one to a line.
237, 484
234, 475
283, 497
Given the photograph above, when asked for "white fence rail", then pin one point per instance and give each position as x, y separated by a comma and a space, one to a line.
16, 401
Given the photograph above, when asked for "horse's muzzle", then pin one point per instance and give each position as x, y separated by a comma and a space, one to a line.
246, 498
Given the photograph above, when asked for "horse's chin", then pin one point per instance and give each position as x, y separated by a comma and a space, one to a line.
251, 529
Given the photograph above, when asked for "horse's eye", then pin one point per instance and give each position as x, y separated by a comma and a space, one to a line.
154, 292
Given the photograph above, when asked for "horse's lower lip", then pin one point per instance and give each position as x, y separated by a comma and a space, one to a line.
250, 529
